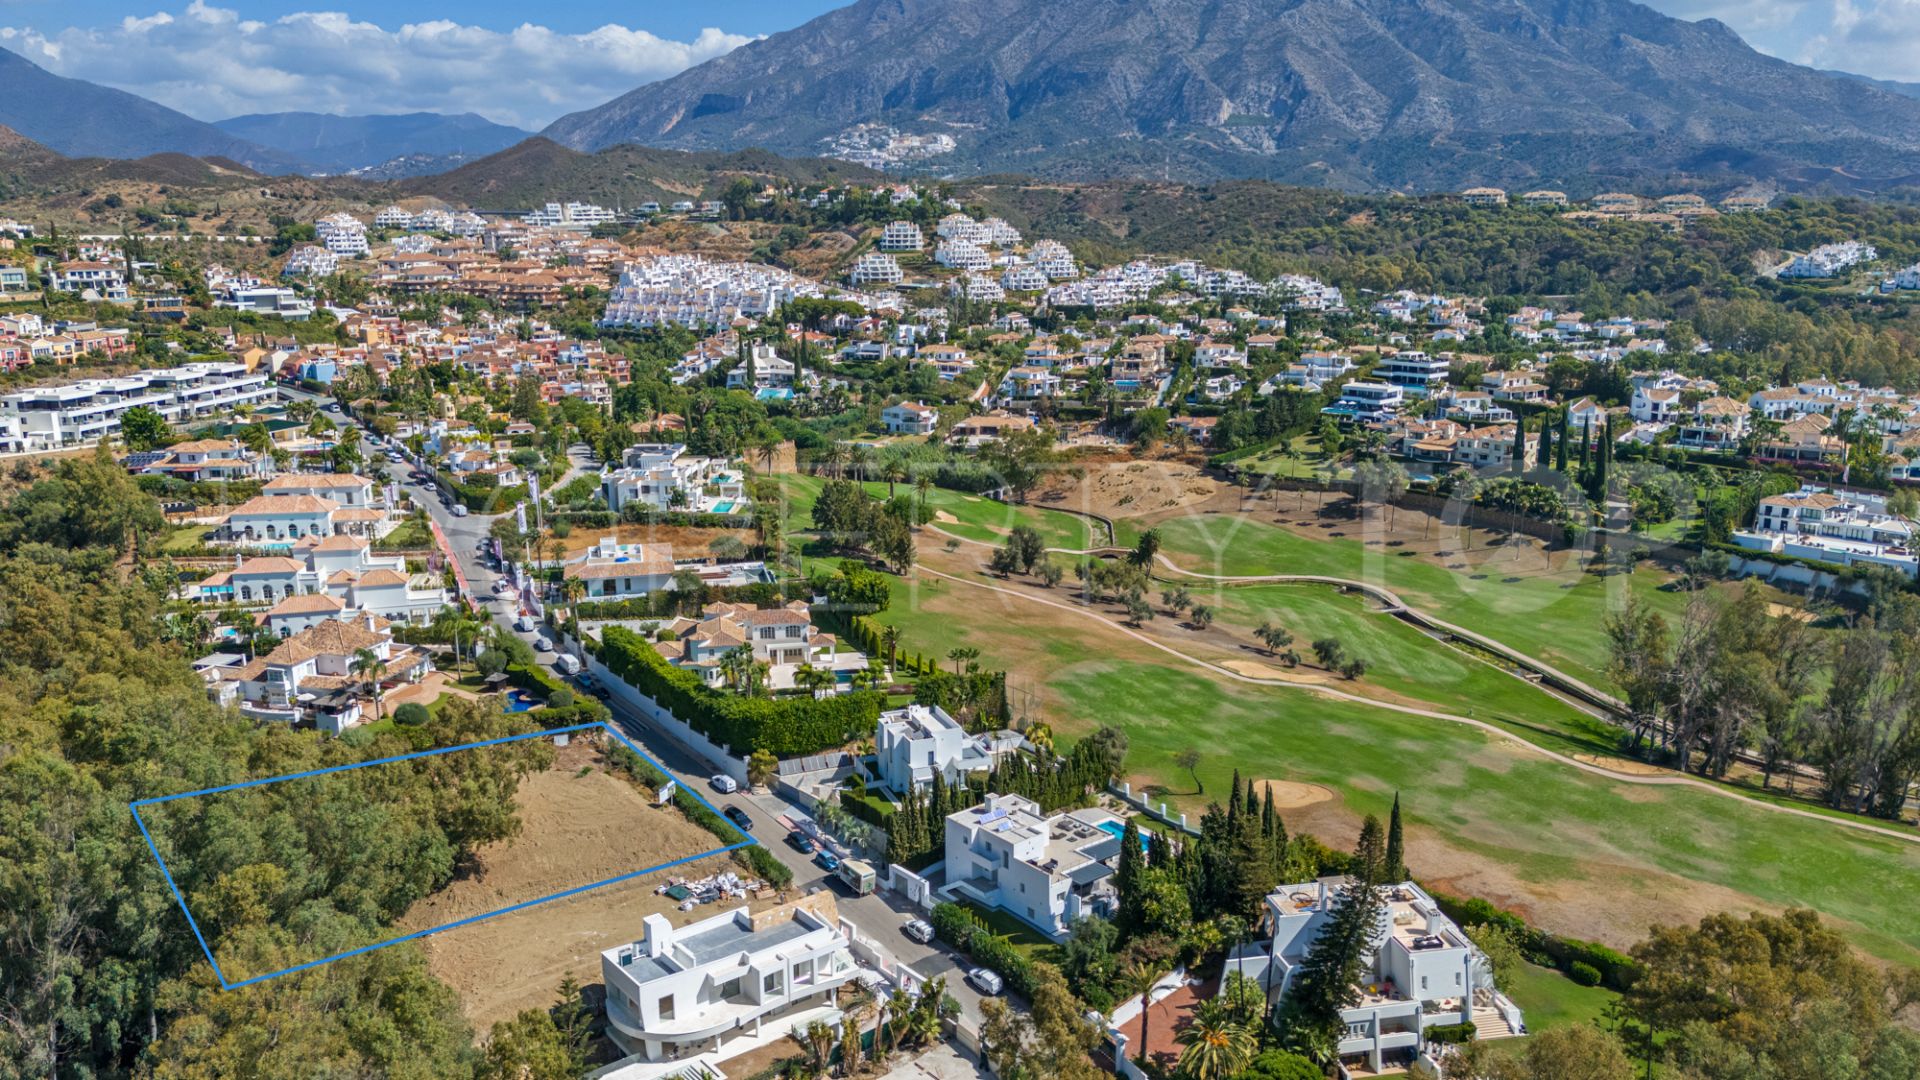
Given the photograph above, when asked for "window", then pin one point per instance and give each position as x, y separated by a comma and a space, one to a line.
666, 1007
770, 984
730, 989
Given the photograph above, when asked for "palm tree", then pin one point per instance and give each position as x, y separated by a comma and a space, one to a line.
1139, 978
924, 1023
818, 1039
894, 472
923, 484
369, 668
899, 1006
962, 654
890, 641
1216, 1045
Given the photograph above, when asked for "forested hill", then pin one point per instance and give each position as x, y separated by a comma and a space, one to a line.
99, 974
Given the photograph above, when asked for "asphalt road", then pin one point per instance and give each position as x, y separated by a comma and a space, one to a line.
878, 916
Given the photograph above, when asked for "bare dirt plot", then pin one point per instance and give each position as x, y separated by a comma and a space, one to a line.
1292, 795
687, 542
1126, 489
576, 828
1626, 766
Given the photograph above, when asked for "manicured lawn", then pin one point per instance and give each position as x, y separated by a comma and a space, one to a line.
1405, 661
409, 535
1598, 846
974, 517
184, 539
1031, 943
1550, 999
1559, 617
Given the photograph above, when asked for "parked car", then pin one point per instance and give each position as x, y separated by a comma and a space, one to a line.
541, 644
919, 930
800, 842
724, 784
524, 624
827, 860
460, 510
739, 817
987, 982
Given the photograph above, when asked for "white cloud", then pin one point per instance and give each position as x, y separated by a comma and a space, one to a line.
210, 63
1880, 38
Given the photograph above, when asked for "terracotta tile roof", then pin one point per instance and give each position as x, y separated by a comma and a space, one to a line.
270, 564
263, 505
357, 514
374, 579
309, 481
340, 543
306, 604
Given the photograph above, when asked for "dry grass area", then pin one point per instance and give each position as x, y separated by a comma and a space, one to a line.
1121, 487
580, 823
687, 542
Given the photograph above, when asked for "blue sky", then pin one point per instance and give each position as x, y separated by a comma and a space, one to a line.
218, 58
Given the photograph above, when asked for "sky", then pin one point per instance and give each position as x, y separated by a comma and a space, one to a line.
526, 64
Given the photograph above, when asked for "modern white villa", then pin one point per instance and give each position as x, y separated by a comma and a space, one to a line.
1844, 527
689, 990
913, 744
1044, 871
663, 476
1424, 972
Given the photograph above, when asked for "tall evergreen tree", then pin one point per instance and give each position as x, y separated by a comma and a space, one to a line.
1330, 974
1560, 449
1519, 444
1396, 858
1127, 877
1369, 855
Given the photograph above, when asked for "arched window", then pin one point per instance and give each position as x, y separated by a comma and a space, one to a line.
246, 592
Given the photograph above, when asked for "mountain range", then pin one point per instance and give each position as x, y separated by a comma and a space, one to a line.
1356, 94
344, 144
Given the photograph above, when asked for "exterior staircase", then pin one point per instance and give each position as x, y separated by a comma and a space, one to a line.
1489, 1024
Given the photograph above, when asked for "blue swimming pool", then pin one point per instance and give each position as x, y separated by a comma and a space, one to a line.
723, 508
521, 701
1119, 831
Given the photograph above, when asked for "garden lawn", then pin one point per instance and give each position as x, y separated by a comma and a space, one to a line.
1556, 616
1550, 999
1584, 855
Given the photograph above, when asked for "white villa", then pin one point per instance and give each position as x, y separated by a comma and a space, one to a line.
914, 743
1045, 871
663, 476
1424, 972
336, 577
309, 677
783, 638
1844, 527
910, 418
680, 992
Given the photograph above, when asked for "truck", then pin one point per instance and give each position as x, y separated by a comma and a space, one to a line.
857, 876
568, 664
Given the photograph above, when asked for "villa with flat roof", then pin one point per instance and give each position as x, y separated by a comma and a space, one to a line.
1424, 972
1045, 871
683, 991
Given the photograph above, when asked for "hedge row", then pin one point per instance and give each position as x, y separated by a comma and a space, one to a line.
756, 858
1616, 971
963, 930
663, 603
1844, 573
784, 727
639, 514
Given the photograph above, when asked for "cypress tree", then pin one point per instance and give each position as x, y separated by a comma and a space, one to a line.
1586, 445
1519, 444
1545, 459
1252, 806
1233, 799
1369, 855
1127, 876
1560, 450
1396, 846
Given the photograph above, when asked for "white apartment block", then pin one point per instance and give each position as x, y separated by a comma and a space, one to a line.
342, 234
1415, 372
1906, 279
312, 261
876, 268
1844, 527
1829, 260
574, 215
393, 218
910, 418
962, 255
1053, 259
1424, 972
683, 991
902, 236
1027, 279
49, 417
1044, 871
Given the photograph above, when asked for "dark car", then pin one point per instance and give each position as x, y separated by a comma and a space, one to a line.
739, 817
800, 842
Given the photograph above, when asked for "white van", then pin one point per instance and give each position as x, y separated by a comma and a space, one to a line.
568, 663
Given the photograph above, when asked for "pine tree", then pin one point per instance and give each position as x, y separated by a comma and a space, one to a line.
1396, 857
1369, 855
1330, 974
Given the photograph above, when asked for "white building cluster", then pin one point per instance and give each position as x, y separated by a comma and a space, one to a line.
342, 234
1829, 259
49, 417
573, 215
687, 290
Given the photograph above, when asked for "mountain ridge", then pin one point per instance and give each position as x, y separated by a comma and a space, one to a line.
343, 144
1375, 94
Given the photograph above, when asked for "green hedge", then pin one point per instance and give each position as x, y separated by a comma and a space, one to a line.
960, 928
1615, 970
1451, 1033
1836, 569
785, 727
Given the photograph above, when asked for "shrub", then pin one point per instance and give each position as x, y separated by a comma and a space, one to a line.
411, 714
1451, 1033
560, 698
1583, 973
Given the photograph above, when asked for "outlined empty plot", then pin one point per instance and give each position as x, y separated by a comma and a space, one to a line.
151, 817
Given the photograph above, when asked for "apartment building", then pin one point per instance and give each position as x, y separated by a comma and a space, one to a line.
1367, 402
1044, 871
342, 234
902, 236
1424, 972
876, 268
683, 991
49, 417
1416, 373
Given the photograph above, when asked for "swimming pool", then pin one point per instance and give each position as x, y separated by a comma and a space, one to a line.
723, 508
521, 701
1119, 832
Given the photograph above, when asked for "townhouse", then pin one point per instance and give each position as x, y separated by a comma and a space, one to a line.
783, 638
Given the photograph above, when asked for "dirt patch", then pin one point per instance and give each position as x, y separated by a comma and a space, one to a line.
1777, 609
1291, 795
1254, 669
945, 518
1623, 766
579, 824
687, 542
1128, 489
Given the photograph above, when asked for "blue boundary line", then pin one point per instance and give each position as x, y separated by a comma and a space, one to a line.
193, 924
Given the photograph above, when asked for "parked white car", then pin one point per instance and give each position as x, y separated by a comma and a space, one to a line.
987, 982
724, 784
